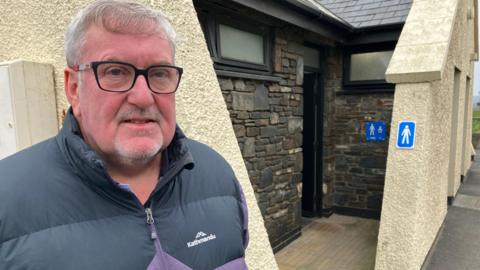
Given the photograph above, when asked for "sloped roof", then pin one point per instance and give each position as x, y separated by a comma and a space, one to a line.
315, 5
369, 13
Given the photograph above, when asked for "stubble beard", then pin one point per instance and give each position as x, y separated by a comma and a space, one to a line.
125, 156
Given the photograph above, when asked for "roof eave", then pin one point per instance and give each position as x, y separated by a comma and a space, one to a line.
279, 10
337, 21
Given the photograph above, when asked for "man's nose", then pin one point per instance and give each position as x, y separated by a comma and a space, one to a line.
140, 95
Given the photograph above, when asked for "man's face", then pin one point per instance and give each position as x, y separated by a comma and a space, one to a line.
125, 127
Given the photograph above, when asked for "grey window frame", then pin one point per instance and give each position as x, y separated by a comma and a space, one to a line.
211, 25
365, 85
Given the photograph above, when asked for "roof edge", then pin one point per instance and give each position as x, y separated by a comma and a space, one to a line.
336, 20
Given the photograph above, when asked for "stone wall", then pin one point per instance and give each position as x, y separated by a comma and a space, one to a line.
268, 120
354, 170
267, 117
332, 83
360, 165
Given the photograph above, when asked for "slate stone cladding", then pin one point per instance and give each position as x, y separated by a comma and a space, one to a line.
332, 83
267, 117
268, 120
356, 167
360, 165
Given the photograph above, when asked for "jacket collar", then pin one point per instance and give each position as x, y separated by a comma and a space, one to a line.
89, 166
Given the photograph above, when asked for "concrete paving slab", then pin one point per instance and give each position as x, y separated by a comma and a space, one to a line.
470, 189
467, 201
338, 242
458, 243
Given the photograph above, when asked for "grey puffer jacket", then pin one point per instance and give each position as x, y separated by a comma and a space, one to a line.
59, 209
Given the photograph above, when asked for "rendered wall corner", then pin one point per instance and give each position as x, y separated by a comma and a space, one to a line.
436, 93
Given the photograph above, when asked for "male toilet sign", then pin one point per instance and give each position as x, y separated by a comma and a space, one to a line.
406, 135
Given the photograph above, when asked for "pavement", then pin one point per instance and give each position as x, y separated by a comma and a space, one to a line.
458, 243
344, 243
334, 243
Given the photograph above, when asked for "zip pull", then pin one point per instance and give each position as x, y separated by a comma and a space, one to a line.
150, 221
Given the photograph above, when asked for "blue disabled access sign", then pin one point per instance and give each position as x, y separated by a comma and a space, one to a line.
406, 134
375, 131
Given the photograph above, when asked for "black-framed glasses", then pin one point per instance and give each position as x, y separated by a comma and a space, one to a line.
115, 76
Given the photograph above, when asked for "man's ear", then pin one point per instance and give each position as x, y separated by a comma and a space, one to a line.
72, 90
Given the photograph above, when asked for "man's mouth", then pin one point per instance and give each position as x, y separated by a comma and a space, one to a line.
139, 121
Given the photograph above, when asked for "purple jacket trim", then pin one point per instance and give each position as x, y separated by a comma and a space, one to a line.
245, 215
237, 264
163, 260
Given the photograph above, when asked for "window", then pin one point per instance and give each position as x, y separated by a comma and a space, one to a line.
311, 57
365, 67
238, 45
370, 66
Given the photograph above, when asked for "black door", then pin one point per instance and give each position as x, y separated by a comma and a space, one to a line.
312, 144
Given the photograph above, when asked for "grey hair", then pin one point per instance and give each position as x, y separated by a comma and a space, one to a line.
118, 16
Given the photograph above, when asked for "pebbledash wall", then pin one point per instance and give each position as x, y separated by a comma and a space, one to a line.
267, 117
432, 67
34, 31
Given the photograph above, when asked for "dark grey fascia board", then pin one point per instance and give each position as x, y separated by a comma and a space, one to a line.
316, 25
378, 36
373, 28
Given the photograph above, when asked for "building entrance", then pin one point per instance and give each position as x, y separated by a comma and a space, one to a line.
312, 144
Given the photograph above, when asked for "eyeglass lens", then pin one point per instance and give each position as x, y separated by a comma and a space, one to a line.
121, 77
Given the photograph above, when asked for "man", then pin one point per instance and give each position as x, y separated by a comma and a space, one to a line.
120, 186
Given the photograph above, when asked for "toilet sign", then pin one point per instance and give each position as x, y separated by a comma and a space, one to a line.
406, 135
375, 131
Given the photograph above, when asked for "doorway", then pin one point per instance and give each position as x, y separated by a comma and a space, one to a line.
453, 181
312, 144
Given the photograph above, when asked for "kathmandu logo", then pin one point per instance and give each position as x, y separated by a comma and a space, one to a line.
200, 239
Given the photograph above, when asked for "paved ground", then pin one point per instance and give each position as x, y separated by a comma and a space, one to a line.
334, 243
458, 244
345, 243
